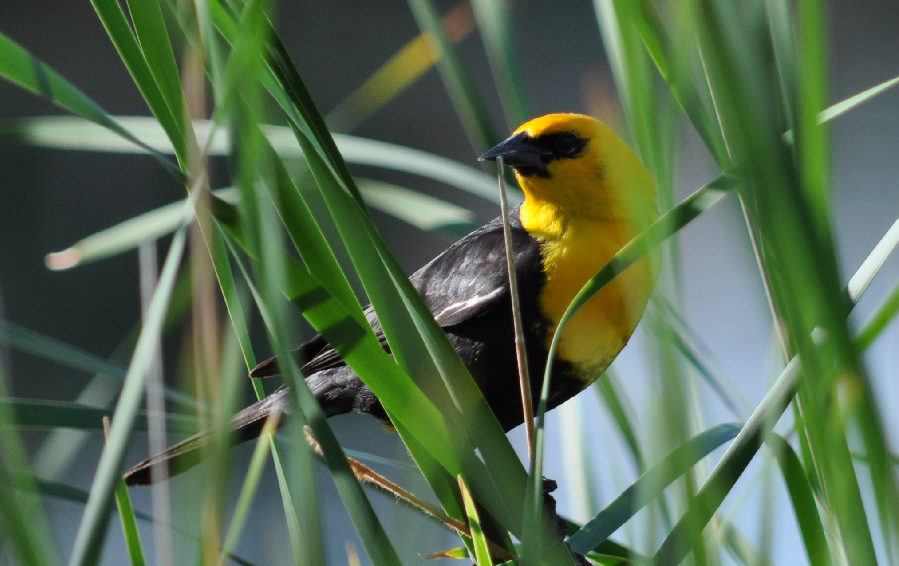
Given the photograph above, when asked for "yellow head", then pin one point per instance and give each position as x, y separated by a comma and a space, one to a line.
586, 196
578, 166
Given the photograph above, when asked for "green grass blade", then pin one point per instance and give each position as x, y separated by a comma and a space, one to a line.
41, 413
457, 79
870, 422
80, 134
241, 66
614, 554
421, 211
242, 75
94, 521
886, 311
129, 524
75, 495
813, 143
613, 42
690, 346
854, 101
744, 447
399, 72
481, 550
330, 171
728, 470
233, 299
153, 39
534, 528
496, 32
883, 316
872, 264
35, 343
116, 24
803, 500
65, 132
24, 69
310, 120
62, 447
742, 549
361, 151
867, 413
608, 391
128, 235
45, 347
361, 513
26, 545
671, 62
635, 81
21, 514
239, 104
275, 270
307, 236
433, 469
577, 448
125, 236
300, 502
251, 483
649, 486
203, 31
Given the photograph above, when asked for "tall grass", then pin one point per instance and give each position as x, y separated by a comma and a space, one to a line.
749, 78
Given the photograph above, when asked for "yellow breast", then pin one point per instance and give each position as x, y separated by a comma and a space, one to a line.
573, 251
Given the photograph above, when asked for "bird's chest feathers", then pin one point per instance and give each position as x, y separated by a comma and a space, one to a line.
601, 328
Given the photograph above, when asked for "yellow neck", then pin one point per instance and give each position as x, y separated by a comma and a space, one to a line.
543, 219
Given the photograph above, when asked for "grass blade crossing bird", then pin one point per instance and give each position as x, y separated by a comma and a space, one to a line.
586, 196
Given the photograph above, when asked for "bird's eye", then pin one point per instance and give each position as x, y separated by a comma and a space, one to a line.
566, 143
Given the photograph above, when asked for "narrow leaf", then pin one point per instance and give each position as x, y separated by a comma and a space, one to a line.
481, 550
649, 486
94, 521
24, 69
803, 500
844, 106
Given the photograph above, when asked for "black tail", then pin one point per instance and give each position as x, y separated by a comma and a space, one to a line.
246, 425
337, 389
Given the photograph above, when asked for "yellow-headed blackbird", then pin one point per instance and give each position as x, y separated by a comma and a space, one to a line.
586, 195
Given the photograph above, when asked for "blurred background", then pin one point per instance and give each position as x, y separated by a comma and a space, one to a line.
51, 198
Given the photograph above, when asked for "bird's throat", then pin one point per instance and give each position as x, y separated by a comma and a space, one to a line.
542, 219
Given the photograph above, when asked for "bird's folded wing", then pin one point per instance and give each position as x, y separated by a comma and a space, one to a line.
467, 281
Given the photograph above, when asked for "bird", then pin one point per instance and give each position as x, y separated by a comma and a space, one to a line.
586, 195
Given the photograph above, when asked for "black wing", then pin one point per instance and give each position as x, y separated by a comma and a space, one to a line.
467, 281
470, 279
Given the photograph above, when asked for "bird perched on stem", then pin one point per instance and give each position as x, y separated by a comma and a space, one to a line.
586, 196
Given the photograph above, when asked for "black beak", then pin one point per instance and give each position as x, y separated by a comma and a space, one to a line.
522, 153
